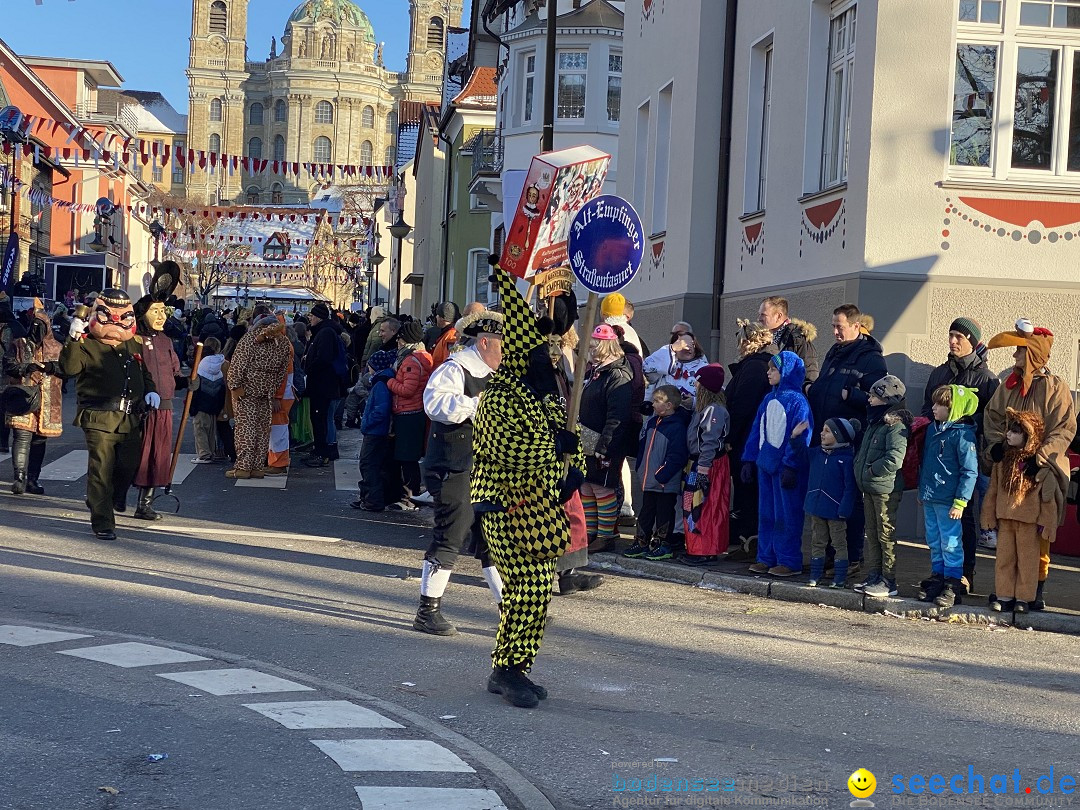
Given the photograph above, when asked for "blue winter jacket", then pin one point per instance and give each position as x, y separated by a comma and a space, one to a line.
949, 465
663, 452
378, 411
831, 493
770, 445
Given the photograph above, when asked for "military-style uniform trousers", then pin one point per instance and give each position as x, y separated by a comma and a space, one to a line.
113, 460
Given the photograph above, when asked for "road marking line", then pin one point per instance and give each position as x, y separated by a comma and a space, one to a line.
202, 531
18, 636
235, 681
392, 755
133, 654
346, 473
307, 714
269, 482
69, 467
422, 798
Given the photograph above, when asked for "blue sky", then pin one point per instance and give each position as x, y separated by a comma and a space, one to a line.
147, 40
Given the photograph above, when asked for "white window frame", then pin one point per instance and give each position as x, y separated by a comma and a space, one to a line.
280, 139
836, 125
641, 155
284, 117
178, 178
314, 157
616, 75
158, 173
982, 10
758, 120
323, 104
583, 72
367, 153
662, 159
528, 87
478, 269
1009, 37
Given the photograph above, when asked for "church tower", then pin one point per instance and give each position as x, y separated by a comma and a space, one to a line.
217, 67
429, 22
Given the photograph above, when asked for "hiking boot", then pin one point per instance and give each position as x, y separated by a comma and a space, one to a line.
429, 618
759, 568
1004, 605
515, 688
639, 548
871, 579
268, 470
947, 597
660, 552
930, 587
599, 544
881, 589
784, 571
538, 690
854, 567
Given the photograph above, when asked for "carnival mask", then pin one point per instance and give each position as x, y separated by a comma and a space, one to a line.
155, 316
112, 320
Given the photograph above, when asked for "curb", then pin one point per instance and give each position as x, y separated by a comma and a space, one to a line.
897, 607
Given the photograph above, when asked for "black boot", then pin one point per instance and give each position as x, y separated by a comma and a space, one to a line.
20, 459
119, 501
931, 587
429, 618
1039, 603
145, 511
538, 690
18, 487
515, 688
947, 598
586, 582
33, 487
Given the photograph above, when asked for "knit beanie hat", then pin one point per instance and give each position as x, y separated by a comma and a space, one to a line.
969, 329
381, 360
889, 388
711, 377
844, 430
321, 311
613, 305
411, 332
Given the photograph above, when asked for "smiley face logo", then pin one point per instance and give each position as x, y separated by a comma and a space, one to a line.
862, 784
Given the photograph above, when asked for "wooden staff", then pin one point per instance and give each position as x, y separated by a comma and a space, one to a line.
183, 419
580, 361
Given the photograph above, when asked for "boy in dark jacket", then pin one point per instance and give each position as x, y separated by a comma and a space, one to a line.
375, 455
830, 497
880, 476
662, 456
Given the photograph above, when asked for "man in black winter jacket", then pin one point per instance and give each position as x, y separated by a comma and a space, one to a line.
965, 366
852, 366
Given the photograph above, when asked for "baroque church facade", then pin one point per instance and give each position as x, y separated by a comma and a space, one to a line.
323, 95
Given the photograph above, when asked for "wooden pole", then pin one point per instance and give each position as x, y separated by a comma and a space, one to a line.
183, 419
580, 361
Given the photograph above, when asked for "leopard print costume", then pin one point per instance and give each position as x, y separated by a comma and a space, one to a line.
257, 368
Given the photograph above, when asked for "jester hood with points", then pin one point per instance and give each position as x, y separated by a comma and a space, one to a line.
770, 444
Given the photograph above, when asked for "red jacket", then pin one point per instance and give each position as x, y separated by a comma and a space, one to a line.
408, 384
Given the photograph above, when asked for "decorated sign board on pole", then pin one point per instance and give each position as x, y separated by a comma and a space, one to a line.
606, 245
558, 185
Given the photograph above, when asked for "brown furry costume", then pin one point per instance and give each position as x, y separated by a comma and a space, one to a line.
1022, 510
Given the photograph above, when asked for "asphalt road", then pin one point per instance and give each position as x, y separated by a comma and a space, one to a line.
772, 700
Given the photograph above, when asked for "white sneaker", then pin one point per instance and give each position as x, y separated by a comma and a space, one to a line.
198, 460
424, 498
988, 539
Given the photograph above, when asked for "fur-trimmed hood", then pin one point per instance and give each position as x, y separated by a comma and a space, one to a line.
900, 415
808, 330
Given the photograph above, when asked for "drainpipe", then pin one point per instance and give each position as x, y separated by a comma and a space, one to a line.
484, 22
445, 275
723, 205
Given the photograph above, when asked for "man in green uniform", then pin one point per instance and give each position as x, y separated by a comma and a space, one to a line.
114, 387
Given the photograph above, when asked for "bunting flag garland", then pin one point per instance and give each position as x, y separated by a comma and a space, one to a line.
83, 145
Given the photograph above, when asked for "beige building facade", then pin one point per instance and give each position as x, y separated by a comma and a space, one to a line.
322, 95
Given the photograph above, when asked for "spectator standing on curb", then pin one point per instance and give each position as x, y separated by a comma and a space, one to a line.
376, 456
412, 368
322, 361
830, 497
707, 488
446, 315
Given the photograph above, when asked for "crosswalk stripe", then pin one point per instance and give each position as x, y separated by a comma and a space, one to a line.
308, 714
133, 654
69, 467
422, 798
346, 474
392, 755
19, 636
184, 466
235, 681
268, 482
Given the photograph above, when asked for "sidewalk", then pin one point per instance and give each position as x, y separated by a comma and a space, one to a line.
912, 565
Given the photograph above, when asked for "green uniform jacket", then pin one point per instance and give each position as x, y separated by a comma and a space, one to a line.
880, 459
103, 375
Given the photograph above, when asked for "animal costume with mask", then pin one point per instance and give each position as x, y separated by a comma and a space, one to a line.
31, 362
160, 358
1033, 388
518, 490
113, 387
1016, 504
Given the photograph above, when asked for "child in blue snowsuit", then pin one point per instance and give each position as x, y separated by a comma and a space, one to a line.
776, 451
830, 497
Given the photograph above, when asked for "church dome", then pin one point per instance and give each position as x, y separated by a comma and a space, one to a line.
343, 13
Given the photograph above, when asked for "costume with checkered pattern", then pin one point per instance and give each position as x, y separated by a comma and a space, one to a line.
515, 485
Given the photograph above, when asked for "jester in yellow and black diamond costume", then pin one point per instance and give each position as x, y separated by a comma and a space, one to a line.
518, 489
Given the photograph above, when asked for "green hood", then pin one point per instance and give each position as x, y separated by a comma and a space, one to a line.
965, 402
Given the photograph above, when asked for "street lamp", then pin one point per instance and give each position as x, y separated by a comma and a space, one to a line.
375, 258
399, 230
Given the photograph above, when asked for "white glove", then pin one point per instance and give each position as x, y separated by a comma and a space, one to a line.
77, 328
152, 399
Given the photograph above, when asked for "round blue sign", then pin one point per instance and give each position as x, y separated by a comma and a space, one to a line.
606, 244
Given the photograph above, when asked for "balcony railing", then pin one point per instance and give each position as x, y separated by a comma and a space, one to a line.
487, 153
106, 111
